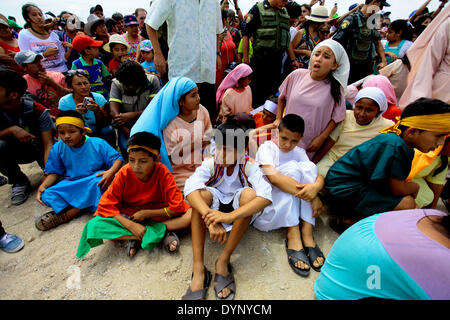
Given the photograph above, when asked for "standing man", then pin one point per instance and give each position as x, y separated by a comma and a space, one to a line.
268, 23
360, 38
193, 28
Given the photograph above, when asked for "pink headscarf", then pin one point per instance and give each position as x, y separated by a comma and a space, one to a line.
385, 85
241, 71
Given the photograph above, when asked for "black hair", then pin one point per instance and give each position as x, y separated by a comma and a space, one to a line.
243, 119
273, 98
406, 62
70, 74
294, 9
12, 81
25, 13
293, 123
70, 113
307, 6
335, 89
424, 106
110, 23
131, 73
145, 139
117, 16
402, 25
232, 134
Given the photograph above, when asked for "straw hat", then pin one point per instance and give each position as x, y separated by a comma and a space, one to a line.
116, 38
318, 14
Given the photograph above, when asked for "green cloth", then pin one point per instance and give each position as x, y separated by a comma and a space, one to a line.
100, 228
358, 183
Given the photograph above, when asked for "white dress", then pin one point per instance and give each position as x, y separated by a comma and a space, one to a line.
286, 210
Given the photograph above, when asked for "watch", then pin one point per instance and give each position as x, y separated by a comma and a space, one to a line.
219, 54
237, 9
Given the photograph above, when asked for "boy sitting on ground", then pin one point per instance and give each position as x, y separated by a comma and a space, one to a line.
225, 192
78, 170
295, 185
142, 203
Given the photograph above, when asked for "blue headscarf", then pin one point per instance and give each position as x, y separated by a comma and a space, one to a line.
161, 110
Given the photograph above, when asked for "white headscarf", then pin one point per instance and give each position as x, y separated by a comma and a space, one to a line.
376, 95
342, 72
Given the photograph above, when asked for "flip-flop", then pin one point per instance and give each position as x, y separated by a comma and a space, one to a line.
168, 239
294, 256
225, 282
313, 254
199, 294
133, 244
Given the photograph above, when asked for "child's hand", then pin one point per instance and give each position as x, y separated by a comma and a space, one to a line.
317, 207
306, 192
108, 177
216, 216
39, 194
139, 216
217, 233
138, 230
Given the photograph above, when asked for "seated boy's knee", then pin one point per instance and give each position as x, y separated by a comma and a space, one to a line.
207, 196
407, 202
247, 195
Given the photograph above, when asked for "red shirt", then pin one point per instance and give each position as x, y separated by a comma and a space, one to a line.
127, 194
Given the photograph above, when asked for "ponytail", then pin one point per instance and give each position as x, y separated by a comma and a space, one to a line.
335, 89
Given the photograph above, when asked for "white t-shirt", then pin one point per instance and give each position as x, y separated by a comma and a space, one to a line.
56, 63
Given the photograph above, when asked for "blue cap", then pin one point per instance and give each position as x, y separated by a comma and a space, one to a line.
130, 20
353, 6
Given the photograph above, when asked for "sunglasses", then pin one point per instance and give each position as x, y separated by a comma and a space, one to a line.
77, 72
324, 31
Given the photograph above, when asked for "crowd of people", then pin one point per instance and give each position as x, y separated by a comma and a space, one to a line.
191, 114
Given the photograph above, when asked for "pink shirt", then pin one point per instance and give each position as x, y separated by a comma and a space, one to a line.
235, 101
46, 95
312, 100
178, 132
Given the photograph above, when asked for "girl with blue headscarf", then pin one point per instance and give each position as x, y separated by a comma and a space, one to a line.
177, 118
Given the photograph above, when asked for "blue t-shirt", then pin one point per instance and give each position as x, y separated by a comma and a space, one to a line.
67, 103
149, 66
97, 72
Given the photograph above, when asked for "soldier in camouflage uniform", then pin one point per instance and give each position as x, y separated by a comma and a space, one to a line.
360, 38
268, 23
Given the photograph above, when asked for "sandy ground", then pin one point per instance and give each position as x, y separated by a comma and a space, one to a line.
47, 268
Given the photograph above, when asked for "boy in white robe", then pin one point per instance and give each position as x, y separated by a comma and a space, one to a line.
295, 184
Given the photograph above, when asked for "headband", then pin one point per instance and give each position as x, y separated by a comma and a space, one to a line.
152, 151
439, 122
77, 122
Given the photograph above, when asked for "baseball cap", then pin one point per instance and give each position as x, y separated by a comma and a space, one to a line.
97, 7
83, 41
26, 56
146, 45
353, 6
130, 20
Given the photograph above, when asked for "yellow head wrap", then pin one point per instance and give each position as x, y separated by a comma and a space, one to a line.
431, 122
153, 151
77, 122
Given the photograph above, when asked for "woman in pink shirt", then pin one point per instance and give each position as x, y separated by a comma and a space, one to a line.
317, 94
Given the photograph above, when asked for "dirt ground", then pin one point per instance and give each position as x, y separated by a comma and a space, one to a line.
47, 268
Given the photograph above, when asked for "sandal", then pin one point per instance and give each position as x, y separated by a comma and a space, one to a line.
294, 256
225, 282
199, 294
133, 244
50, 220
168, 239
313, 254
